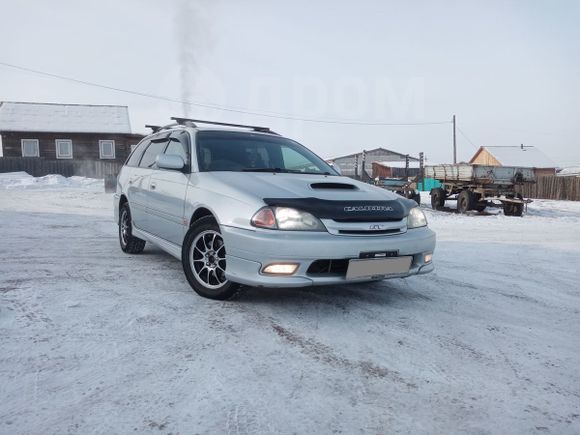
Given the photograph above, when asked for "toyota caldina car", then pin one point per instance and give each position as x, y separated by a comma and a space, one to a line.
242, 205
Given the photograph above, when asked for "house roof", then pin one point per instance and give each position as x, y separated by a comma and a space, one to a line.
524, 156
63, 118
386, 151
570, 171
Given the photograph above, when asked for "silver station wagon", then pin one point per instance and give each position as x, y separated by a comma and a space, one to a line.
242, 205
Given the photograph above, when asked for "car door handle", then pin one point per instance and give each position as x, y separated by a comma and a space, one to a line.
153, 186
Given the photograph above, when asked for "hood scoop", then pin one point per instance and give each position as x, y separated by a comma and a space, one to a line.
334, 186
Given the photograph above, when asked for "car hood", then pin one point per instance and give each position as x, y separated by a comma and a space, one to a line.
281, 185
324, 196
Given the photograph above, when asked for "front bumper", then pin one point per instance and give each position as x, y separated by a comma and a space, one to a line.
249, 250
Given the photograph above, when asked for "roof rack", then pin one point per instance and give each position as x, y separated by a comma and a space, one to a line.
157, 128
192, 123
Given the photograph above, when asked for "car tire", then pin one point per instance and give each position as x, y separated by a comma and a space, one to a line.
129, 243
204, 263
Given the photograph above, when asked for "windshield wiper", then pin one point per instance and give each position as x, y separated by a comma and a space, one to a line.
264, 170
284, 171
313, 173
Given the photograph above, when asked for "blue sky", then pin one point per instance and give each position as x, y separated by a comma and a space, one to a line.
509, 70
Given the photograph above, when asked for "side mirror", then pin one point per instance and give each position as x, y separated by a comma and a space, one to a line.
336, 168
170, 161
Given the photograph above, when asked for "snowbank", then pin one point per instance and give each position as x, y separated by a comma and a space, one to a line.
23, 180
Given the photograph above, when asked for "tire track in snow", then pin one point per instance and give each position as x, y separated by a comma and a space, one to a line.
325, 354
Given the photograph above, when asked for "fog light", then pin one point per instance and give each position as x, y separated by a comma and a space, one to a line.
428, 258
280, 269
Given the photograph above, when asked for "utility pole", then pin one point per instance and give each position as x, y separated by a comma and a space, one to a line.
454, 143
422, 170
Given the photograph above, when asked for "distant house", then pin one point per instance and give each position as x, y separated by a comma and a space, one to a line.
570, 171
395, 169
352, 165
522, 156
78, 133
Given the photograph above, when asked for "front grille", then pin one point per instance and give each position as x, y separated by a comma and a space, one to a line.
328, 267
369, 232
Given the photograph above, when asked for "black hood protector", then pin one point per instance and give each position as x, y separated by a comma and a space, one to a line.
348, 211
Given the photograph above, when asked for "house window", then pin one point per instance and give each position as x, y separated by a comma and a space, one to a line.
64, 149
30, 148
107, 149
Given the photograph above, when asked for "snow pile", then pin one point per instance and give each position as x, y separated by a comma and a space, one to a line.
23, 180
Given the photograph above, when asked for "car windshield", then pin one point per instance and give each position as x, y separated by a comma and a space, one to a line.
253, 152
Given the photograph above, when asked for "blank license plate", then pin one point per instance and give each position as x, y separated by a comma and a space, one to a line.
377, 266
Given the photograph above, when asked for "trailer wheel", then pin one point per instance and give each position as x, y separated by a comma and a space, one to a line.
508, 209
465, 201
416, 197
479, 203
437, 198
518, 209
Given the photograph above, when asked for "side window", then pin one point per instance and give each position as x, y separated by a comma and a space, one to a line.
179, 145
151, 153
136, 154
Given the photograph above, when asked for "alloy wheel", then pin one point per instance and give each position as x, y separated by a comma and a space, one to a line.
207, 258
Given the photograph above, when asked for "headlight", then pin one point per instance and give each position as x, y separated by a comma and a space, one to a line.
416, 218
288, 219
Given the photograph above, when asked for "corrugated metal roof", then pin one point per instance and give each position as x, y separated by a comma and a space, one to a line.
374, 151
527, 156
65, 118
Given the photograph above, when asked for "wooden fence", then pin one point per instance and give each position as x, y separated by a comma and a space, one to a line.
553, 187
40, 167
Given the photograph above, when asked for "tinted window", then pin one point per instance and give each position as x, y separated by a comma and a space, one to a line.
156, 148
179, 145
249, 152
135, 156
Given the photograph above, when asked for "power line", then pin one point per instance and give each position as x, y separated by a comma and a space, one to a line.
465, 136
213, 106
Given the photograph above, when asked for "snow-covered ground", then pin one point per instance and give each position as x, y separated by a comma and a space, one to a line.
22, 180
96, 341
